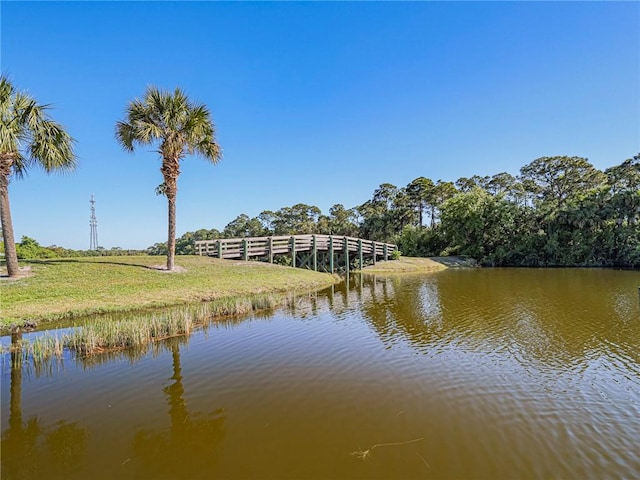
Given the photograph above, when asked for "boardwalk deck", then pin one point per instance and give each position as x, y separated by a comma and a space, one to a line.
317, 252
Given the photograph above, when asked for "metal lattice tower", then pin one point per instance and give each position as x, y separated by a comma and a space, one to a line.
93, 223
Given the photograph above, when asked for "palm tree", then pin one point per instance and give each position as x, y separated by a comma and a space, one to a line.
28, 137
180, 127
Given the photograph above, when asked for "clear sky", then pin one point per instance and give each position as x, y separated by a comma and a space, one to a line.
315, 103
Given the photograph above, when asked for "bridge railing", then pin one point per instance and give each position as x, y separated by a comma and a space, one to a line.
252, 247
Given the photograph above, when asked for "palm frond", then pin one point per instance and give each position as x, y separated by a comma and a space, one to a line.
125, 135
53, 147
21, 165
210, 151
29, 135
171, 119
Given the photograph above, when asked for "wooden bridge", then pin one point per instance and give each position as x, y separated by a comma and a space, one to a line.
316, 252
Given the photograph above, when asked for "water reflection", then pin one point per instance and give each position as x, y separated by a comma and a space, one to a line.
504, 373
554, 316
192, 443
28, 449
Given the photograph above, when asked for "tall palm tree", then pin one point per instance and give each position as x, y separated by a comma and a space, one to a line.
28, 137
180, 128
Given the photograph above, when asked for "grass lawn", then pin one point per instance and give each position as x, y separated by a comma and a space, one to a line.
68, 287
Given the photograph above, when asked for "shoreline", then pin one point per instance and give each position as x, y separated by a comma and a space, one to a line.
70, 288
405, 265
55, 291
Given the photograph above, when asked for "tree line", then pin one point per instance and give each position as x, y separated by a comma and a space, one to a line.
559, 211
30, 249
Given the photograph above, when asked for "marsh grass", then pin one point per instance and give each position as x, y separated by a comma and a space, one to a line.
139, 330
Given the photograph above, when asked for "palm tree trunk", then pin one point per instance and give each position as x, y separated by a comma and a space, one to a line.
10, 253
170, 172
171, 241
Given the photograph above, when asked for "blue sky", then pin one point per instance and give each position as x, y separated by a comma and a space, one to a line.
314, 102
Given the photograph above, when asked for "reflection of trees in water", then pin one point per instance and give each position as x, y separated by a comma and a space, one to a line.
401, 307
192, 443
28, 450
554, 315
550, 315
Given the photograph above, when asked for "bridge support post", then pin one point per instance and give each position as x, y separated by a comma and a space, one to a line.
360, 259
314, 248
293, 251
345, 247
384, 249
331, 254
373, 248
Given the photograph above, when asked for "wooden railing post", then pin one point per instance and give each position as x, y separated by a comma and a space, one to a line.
245, 249
360, 259
384, 250
373, 247
293, 251
314, 248
345, 248
331, 254
219, 246
270, 241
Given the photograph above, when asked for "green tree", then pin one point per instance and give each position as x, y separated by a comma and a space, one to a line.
342, 221
28, 137
420, 192
28, 249
465, 184
403, 212
377, 214
501, 183
295, 220
420, 242
442, 192
180, 127
480, 225
266, 219
244, 226
555, 180
623, 212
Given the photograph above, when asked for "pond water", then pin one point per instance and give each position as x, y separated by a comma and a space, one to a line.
496, 373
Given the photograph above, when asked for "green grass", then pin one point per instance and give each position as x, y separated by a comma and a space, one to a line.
67, 288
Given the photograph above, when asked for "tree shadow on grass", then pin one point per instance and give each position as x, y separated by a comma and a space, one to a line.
96, 262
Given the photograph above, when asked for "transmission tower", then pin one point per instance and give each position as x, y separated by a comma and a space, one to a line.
93, 222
